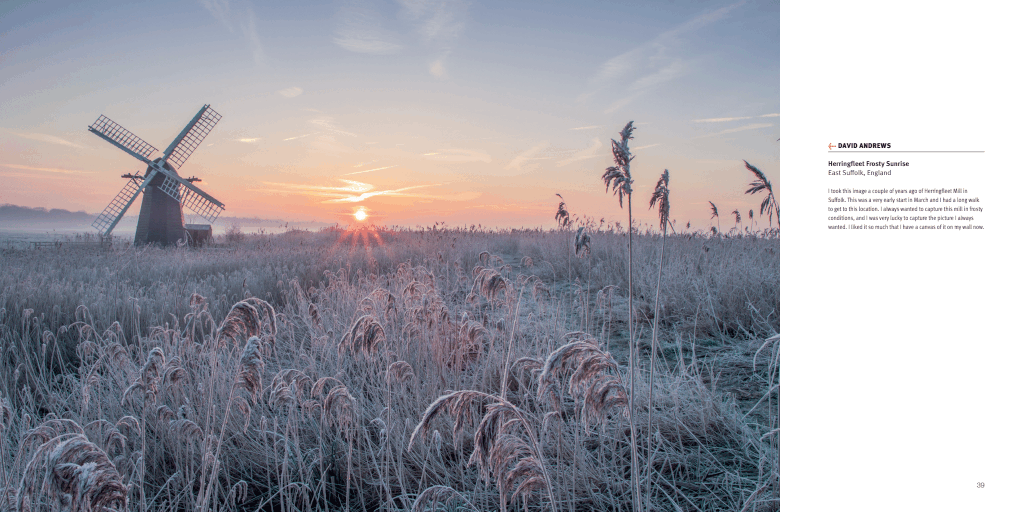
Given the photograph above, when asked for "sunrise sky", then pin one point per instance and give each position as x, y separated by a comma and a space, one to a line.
413, 111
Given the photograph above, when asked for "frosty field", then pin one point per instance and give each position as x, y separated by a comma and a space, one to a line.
384, 369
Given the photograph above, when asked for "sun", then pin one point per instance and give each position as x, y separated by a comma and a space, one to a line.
360, 215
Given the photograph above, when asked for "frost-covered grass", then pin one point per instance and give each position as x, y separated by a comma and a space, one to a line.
145, 359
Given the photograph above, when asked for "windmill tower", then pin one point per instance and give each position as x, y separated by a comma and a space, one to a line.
163, 191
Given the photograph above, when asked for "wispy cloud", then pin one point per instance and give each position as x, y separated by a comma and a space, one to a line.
45, 169
366, 42
437, 69
365, 27
370, 170
245, 21
459, 155
657, 61
220, 9
290, 92
300, 136
591, 127
439, 21
592, 151
249, 141
621, 102
252, 37
362, 29
645, 147
529, 154
727, 119
327, 124
51, 139
739, 129
646, 83
351, 192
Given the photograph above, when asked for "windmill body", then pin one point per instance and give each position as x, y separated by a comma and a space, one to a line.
163, 191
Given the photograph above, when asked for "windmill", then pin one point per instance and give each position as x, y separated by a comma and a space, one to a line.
163, 191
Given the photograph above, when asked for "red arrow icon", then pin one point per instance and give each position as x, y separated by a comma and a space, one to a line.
830, 146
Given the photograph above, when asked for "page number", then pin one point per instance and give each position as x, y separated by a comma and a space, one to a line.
981, 485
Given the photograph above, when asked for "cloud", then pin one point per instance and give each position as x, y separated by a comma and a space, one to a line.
245, 22
370, 170
592, 151
663, 74
327, 123
42, 137
645, 147
739, 129
658, 60
249, 30
460, 155
365, 28
591, 127
366, 42
521, 158
437, 69
361, 30
249, 141
290, 92
352, 192
45, 169
300, 136
439, 21
622, 102
220, 9
726, 119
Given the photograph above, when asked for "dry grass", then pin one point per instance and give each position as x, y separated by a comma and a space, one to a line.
204, 393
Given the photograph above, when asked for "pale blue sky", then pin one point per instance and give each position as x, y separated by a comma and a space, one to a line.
415, 111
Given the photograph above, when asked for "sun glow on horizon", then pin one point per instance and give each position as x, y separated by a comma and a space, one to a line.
360, 215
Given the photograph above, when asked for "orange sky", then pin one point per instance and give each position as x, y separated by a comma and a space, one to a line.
451, 112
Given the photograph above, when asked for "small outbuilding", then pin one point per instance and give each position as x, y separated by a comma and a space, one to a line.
198, 234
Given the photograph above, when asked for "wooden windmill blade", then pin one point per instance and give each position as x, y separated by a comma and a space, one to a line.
122, 138
191, 196
112, 214
191, 136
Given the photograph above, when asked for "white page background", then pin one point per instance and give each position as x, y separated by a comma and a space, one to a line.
902, 363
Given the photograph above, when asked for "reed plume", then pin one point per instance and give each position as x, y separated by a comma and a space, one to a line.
761, 183
495, 448
490, 282
72, 473
399, 371
588, 383
441, 498
562, 215
249, 317
364, 336
379, 301
714, 215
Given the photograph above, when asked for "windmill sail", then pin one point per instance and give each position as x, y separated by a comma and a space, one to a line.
118, 206
191, 197
122, 138
192, 136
